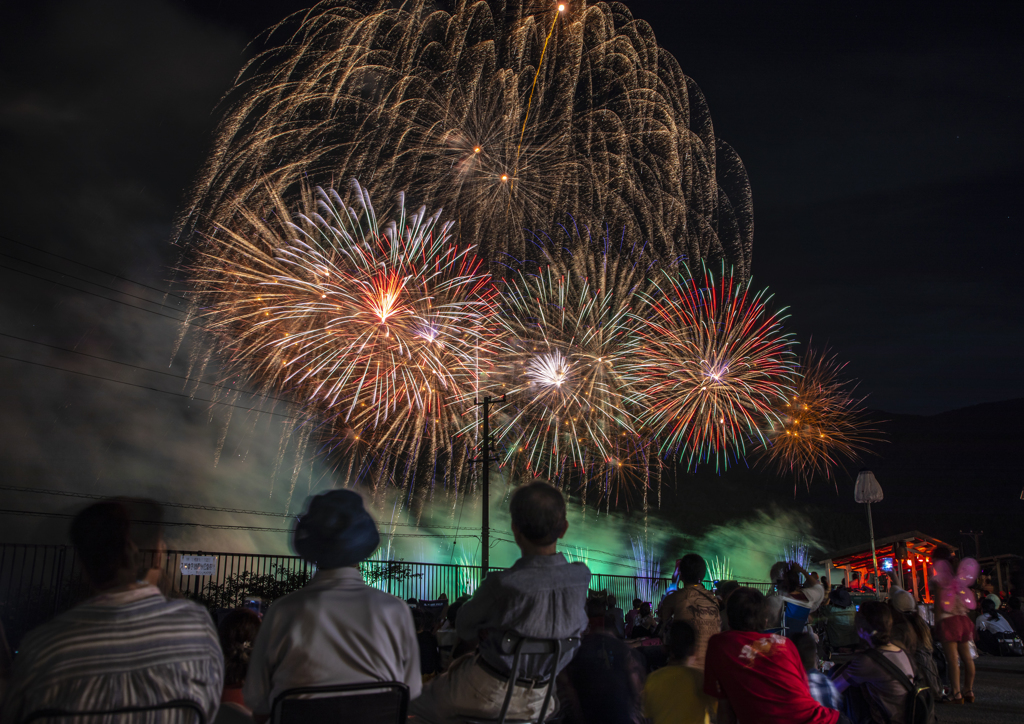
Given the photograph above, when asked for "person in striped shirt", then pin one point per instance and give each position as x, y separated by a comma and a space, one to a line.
127, 646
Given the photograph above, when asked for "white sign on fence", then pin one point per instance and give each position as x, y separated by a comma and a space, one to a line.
198, 565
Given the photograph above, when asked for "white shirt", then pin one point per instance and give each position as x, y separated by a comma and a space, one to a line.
335, 630
999, 625
130, 648
815, 593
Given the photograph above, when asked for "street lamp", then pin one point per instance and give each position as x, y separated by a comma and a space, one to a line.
868, 491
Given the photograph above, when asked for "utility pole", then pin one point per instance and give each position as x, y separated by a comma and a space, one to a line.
977, 541
485, 479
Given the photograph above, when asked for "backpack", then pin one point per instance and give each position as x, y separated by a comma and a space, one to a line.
920, 701
1009, 644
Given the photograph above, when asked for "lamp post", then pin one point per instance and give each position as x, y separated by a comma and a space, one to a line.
868, 491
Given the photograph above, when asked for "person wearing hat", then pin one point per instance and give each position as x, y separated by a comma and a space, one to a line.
336, 629
901, 600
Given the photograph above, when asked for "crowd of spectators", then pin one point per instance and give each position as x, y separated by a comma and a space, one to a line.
697, 655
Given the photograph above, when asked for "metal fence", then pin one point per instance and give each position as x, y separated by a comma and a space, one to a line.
39, 581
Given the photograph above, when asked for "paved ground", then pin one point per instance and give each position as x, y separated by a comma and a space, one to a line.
999, 692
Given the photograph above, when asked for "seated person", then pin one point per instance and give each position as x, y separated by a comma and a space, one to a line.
430, 654
129, 645
237, 632
614, 619
693, 603
758, 678
541, 596
597, 615
839, 617
632, 616
885, 696
990, 623
674, 694
1015, 616
447, 636
337, 629
646, 624
603, 684
822, 688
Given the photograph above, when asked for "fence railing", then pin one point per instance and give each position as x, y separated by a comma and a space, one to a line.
39, 581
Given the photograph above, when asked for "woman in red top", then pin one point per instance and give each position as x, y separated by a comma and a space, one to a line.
758, 677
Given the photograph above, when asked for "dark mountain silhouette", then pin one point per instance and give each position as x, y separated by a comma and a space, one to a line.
955, 471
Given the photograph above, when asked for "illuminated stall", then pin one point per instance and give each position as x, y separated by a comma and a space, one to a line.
906, 556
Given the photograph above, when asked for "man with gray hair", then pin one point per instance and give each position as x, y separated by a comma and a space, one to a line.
541, 596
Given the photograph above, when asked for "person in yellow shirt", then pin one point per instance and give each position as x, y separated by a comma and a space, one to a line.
675, 694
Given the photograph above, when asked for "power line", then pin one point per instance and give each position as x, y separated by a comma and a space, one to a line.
186, 506
187, 524
83, 280
214, 526
152, 389
93, 268
145, 369
192, 506
101, 296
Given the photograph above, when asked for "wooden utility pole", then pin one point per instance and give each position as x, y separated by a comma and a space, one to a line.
977, 540
485, 481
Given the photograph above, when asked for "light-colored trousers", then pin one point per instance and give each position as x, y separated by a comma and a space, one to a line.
466, 690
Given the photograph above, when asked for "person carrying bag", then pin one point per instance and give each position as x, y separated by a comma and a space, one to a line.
920, 706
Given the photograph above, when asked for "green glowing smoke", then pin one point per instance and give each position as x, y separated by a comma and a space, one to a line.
445, 530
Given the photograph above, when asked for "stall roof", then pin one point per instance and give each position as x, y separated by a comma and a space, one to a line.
857, 554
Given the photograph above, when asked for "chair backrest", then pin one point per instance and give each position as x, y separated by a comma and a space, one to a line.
123, 714
375, 702
518, 646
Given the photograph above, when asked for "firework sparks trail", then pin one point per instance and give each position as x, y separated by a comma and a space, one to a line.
373, 326
713, 364
647, 566
564, 331
441, 105
822, 422
720, 570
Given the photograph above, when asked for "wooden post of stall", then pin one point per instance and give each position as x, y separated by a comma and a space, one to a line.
913, 573
924, 572
999, 577
828, 577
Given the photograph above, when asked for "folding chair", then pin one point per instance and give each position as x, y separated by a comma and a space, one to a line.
123, 714
795, 615
375, 702
518, 647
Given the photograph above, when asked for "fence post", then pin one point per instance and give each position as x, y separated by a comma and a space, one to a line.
58, 585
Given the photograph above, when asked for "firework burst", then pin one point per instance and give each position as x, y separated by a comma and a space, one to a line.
503, 113
712, 364
373, 326
822, 422
561, 358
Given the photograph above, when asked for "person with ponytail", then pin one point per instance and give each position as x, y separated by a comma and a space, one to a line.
884, 696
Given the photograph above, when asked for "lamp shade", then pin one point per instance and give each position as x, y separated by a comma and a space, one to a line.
867, 489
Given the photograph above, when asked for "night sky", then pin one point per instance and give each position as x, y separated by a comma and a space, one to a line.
883, 146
